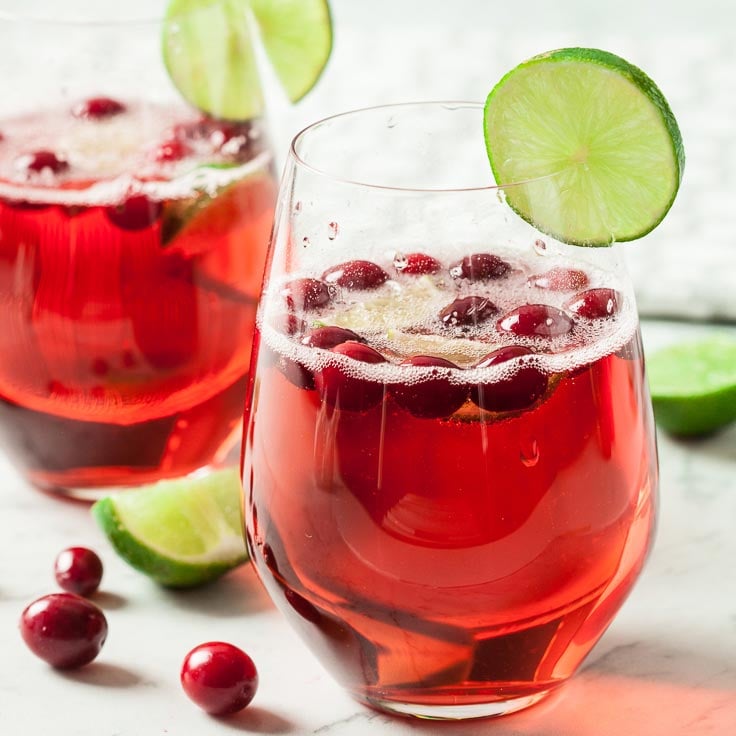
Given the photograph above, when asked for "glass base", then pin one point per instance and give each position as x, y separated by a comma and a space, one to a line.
91, 493
457, 712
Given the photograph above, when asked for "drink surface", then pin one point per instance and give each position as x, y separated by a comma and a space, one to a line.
451, 532
132, 247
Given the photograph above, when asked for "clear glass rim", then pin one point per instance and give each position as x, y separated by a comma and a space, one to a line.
56, 17
446, 104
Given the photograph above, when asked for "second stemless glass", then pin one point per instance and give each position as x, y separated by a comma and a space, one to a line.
449, 456
134, 234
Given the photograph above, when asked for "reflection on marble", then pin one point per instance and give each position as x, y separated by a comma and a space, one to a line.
666, 667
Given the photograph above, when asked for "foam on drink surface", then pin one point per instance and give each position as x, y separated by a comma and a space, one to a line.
400, 319
112, 158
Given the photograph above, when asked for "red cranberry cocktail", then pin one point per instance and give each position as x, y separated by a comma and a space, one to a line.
449, 458
133, 235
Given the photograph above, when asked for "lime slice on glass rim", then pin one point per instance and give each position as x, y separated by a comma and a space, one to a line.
180, 533
209, 55
693, 386
596, 140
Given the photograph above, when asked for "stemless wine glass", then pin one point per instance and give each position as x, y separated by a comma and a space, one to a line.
449, 458
133, 234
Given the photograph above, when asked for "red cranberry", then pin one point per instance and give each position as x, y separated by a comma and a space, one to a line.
469, 310
220, 678
78, 570
329, 337
480, 267
40, 161
560, 279
595, 303
98, 108
226, 136
288, 324
171, 150
415, 264
64, 630
135, 213
295, 373
356, 275
347, 392
306, 294
536, 320
432, 398
518, 391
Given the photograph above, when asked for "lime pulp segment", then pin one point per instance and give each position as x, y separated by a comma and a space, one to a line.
209, 53
693, 386
180, 533
594, 139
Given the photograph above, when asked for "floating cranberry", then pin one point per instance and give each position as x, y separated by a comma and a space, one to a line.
416, 264
135, 213
536, 320
64, 630
480, 267
356, 275
595, 303
229, 137
434, 397
518, 391
78, 570
467, 311
560, 279
171, 151
39, 161
339, 389
220, 678
98, 108
295, 373
306, 294
288, 324
330, 337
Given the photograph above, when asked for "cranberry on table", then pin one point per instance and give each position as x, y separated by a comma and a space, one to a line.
517, 391
220, 678
536, 320
467, 311
417, 264
433, 398
480, 267
344, 391
356, 275
98, 108
39, 161
329, 337
78, 570
63, 629
560, 279
135, 213
306, 294
595, 303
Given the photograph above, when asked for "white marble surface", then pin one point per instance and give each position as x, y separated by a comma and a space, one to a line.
666, 667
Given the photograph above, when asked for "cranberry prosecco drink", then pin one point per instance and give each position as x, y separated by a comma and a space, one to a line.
133, 236
449, 459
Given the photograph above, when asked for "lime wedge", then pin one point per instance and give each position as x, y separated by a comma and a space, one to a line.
209, 54
598, 137
180, 533
460, 351
389, 309
694, 386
